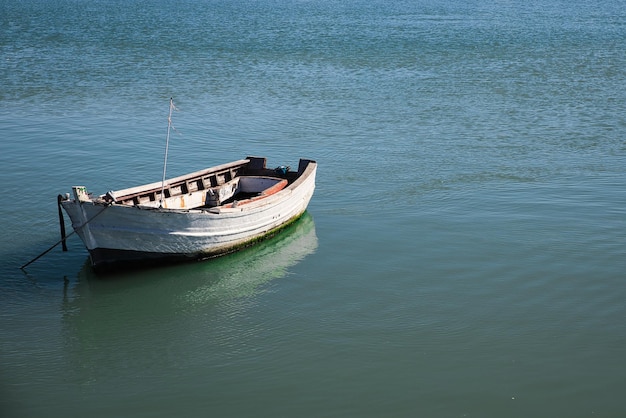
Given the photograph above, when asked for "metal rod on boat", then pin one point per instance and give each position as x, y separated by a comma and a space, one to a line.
167, 144
61, 222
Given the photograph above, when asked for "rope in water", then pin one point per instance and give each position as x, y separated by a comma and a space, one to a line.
63, 236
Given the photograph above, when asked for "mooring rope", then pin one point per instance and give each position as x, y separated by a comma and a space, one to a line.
63, 236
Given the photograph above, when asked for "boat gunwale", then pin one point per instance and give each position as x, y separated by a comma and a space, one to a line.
131, 192
309, 168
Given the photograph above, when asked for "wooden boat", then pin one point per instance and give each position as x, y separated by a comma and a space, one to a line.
198, 215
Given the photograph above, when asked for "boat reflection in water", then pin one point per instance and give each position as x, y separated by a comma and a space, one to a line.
168, 314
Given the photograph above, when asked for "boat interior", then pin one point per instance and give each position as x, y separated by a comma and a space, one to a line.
225, 186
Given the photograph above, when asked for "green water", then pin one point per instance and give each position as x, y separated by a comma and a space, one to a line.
463, 254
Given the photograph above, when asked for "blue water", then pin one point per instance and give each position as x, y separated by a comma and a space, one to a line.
463, 255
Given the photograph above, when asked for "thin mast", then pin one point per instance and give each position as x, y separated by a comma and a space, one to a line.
167, 145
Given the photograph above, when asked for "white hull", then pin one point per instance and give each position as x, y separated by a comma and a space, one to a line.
115, 233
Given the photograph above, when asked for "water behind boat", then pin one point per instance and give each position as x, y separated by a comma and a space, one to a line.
463, 254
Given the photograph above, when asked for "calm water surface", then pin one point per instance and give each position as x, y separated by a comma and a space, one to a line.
464, 253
